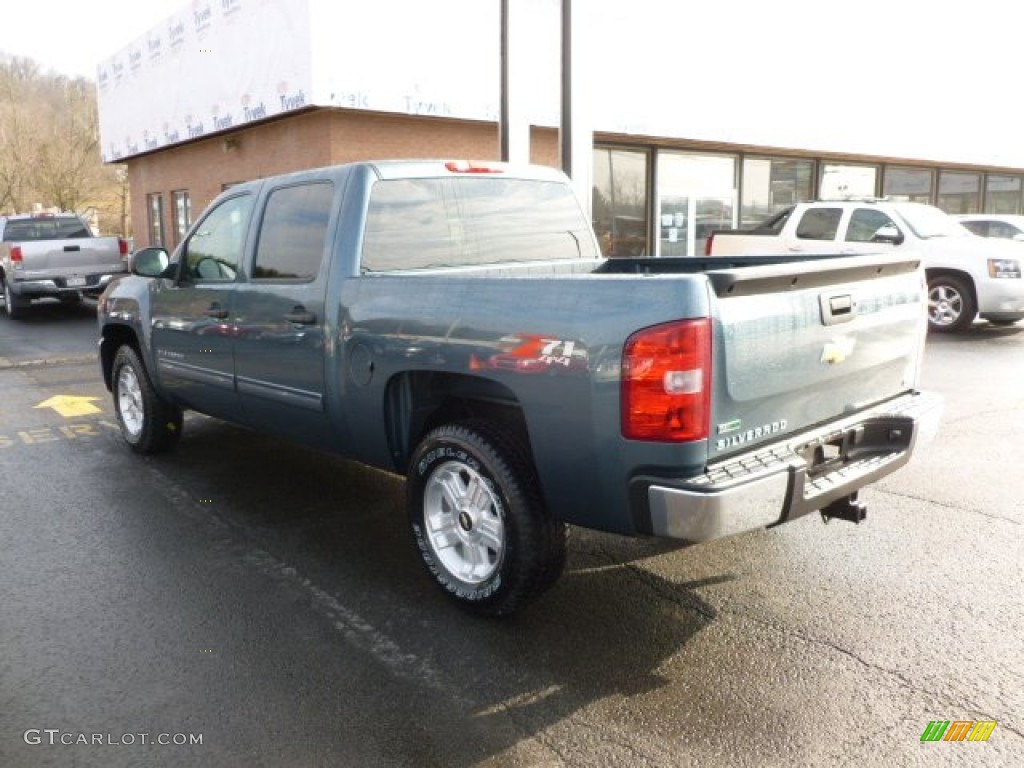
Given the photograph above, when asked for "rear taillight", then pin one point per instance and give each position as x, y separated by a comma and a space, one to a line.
666, 382
122, 247
707, 244
16, 256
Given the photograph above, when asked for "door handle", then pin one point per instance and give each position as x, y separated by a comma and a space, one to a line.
837, 308
216, 312
300, 316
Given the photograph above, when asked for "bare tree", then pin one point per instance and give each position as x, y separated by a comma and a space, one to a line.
49, 145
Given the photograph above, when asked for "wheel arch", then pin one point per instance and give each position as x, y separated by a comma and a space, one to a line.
415, 402
960, 274
113, 337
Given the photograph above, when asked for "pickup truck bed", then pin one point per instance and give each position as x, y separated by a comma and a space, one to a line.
457, 325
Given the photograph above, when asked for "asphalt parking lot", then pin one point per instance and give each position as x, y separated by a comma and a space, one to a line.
267, 600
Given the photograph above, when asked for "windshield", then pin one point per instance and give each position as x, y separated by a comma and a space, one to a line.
927, 221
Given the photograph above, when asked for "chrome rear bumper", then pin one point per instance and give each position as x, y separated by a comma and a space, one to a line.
787, 479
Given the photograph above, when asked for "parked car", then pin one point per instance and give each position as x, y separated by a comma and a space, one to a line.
1002, 225
968, 276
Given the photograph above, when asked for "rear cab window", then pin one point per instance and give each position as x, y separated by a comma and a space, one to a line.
46, 228
421, 223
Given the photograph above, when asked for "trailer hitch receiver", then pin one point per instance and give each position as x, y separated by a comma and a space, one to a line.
847, 508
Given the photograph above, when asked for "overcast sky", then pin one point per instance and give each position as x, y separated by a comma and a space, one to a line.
71, 37
908, 79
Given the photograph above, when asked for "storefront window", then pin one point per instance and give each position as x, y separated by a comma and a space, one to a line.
182, 213
1002, 194
959, 192
620, 210
696, 195
771, 185
843, 182
155, 207
912, 185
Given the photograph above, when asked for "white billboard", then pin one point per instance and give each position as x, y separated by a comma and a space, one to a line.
733, 72
210, 67
218, 64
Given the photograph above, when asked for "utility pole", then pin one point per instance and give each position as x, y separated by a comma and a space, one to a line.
576, 137
514, 125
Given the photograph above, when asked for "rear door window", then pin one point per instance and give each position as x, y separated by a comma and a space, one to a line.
293, 232
819, 224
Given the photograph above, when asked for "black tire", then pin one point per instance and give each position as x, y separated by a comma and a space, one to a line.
14, 305
70, 298
951, 304
498, 525
149, 424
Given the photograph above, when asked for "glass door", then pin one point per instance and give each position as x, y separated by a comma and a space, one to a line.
696, 195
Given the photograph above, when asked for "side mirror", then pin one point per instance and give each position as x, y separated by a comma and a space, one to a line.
888, 234
150, 262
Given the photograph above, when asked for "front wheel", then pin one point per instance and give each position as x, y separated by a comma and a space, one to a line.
951, 304
479, 521
149, 424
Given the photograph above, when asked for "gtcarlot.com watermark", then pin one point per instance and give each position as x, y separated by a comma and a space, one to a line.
55, 737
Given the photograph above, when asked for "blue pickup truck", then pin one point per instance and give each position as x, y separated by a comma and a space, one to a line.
455, 323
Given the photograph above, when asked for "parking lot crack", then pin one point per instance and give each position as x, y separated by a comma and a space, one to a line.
44, 362
949, 701
957, 507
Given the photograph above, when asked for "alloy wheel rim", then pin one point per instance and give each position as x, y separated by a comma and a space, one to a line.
464, 524
129, 401
945, 305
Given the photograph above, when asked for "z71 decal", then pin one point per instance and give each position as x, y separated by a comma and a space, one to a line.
534, 354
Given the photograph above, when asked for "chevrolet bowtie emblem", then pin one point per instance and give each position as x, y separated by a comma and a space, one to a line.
837, 350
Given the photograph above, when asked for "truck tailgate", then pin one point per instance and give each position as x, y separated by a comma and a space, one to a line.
79, 256
802, 343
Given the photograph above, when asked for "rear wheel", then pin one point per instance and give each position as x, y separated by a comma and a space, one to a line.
951, 304
149, 424
479, 521
14, 305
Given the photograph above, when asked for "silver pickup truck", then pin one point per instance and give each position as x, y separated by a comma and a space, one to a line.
455, 323
55, 255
